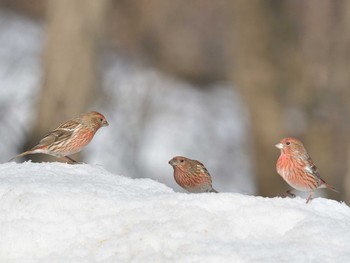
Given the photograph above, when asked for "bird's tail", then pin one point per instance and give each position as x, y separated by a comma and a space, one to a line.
20, 155
330, 187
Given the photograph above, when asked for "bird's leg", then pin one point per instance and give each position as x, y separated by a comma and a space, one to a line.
310, 197
70, 160
288, 193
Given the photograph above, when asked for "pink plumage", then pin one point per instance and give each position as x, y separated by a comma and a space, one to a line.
70, 137
297, 168
191, 175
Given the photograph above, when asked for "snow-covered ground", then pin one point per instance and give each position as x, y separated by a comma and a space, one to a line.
54, 212
88, 213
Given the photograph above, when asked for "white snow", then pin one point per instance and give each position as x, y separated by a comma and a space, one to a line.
54, 212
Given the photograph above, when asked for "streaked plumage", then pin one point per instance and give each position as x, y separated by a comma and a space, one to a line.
70, 137
191, 175
297, 168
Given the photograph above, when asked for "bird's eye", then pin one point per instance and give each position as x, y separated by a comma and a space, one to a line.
182, 160
101, 120
287, 143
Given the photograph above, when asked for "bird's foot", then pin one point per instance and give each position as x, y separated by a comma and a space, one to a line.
288, 193
71, 161
309, 197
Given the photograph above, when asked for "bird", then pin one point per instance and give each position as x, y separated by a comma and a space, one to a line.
297, 168
191, 175
70, 137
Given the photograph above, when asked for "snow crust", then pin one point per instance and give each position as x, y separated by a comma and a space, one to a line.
55, 212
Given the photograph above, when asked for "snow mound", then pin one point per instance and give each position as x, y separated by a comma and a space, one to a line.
54, 212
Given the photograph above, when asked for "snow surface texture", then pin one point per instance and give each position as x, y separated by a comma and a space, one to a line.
152, 117
54, 212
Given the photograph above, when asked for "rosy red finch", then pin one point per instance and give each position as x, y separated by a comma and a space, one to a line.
70, 137
191, 175
297, 168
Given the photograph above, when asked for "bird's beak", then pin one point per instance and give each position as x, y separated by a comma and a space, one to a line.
279, 145
172, 162
105, 123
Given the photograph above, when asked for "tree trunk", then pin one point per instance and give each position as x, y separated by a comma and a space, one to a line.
70, 77
340, 81
315, 93
293, 84
254, 75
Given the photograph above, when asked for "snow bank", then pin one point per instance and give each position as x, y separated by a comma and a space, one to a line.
54, 212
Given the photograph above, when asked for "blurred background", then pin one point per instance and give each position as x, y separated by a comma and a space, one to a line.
218, 81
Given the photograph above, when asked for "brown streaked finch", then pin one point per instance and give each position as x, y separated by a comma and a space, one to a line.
191, 175
70, 137
297, 168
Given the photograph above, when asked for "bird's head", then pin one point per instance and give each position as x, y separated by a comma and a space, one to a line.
94, 119
292, 146
180, 162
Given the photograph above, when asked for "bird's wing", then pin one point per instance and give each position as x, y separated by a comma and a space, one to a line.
202, 168
61, 133
69, 125
55, 136
311, 168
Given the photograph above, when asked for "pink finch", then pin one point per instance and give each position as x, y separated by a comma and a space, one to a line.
297, 168
191, 175
70, 137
